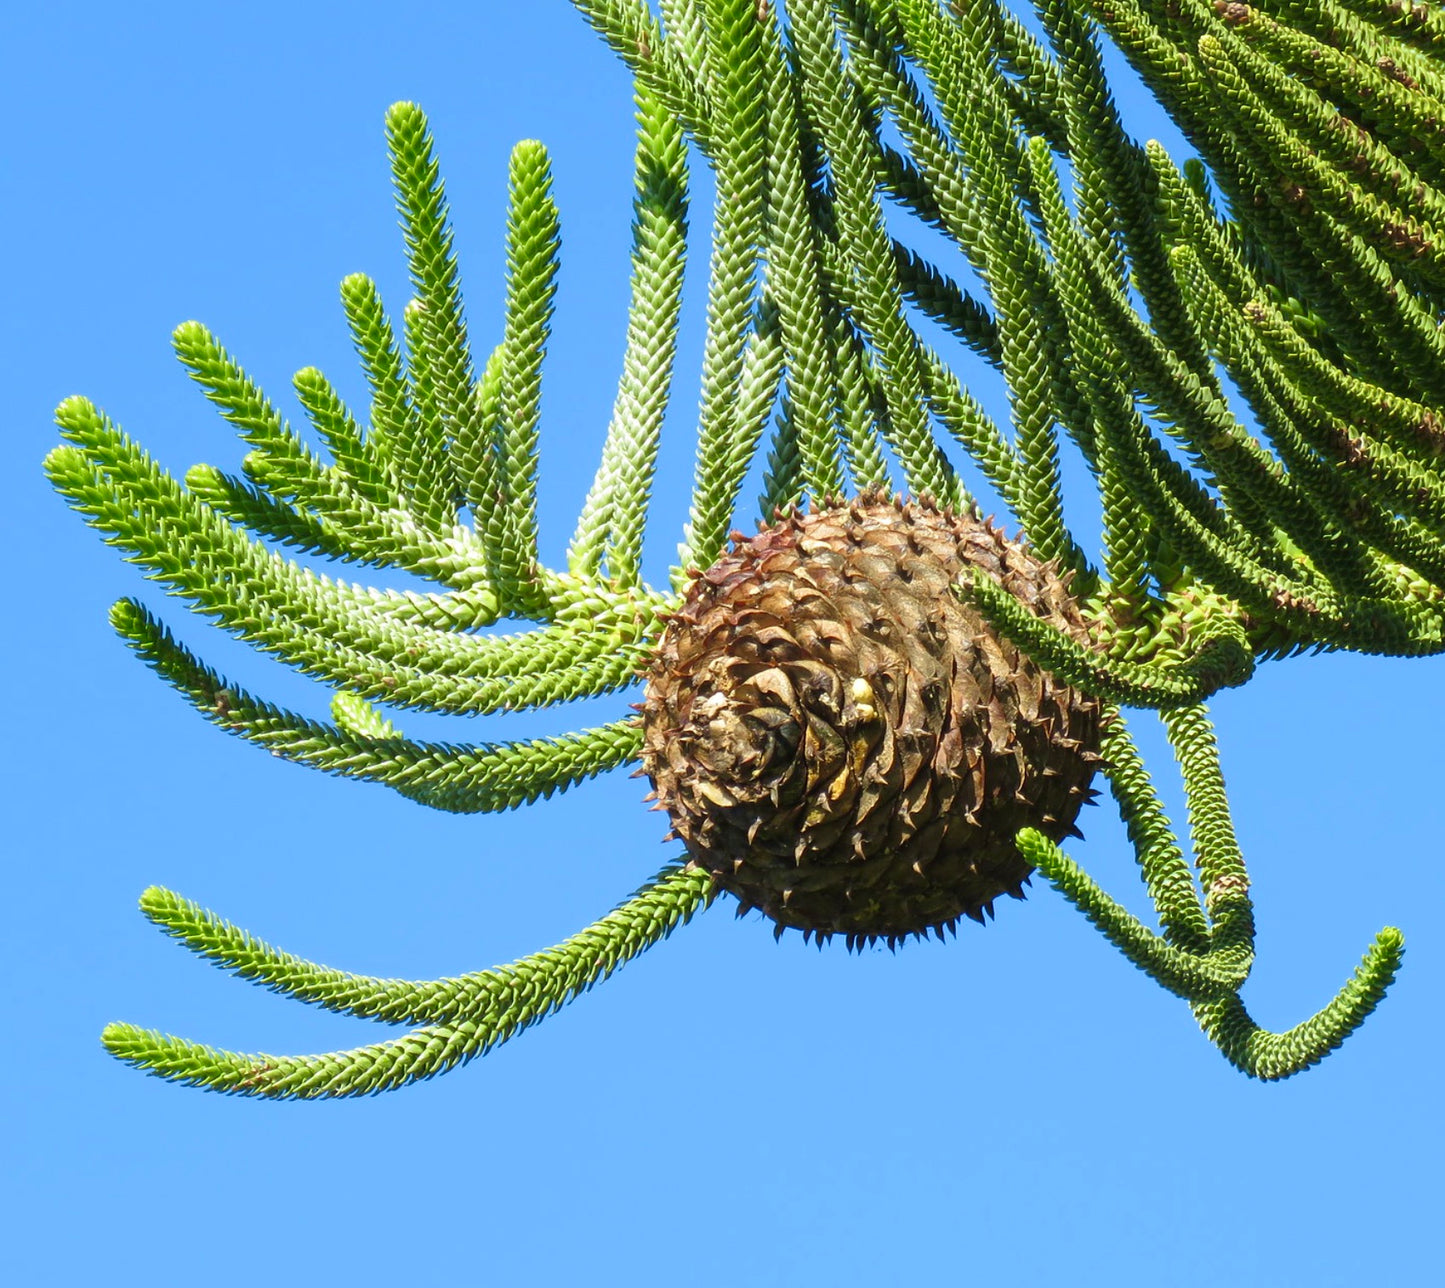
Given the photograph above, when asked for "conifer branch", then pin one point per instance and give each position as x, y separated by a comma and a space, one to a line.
1162, 864
462, 1017
835, 113
532, 241
1271, 1056
440, 390
1222, 874
727, 437
363, 744
1192, 976
1223, 656
1124, 298
615, 511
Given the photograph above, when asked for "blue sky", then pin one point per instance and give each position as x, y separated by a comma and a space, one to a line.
1016, 1107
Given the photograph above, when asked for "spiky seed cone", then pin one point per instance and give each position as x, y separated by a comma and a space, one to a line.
844, 744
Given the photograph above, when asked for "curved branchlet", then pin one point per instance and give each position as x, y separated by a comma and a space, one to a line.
1211, 985
364, 744
1162, 864
1192, 976
461, 1018
1271, 1056
1223, 657
532, 241
730, 424
1222, 874
1206, 949
611, 523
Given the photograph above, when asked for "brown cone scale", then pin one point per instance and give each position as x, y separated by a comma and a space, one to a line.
844, 743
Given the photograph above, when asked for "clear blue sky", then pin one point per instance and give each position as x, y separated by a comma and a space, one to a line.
1017, 1107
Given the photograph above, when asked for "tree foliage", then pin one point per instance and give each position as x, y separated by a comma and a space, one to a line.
1124, 297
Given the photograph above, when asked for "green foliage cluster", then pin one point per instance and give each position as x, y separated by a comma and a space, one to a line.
1122, 295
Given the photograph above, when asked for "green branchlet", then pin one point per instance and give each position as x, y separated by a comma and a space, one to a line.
458, 1018
1205, 950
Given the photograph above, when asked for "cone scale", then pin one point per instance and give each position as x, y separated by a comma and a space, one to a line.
845, 744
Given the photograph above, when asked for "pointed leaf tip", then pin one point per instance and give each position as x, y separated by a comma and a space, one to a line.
67, 408
155, 899
122, 1040
201, 476
75, 413
60, 458
125, 615
403, 111
191, 332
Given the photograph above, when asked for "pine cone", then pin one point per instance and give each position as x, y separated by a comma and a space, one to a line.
846, 745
